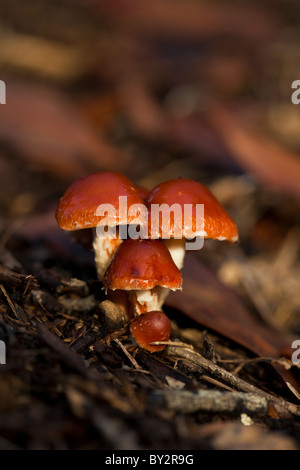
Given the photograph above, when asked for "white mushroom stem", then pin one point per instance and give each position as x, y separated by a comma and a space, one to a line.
176, 248
104, 249
144, 301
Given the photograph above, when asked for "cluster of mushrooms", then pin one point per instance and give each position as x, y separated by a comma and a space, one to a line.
139, 272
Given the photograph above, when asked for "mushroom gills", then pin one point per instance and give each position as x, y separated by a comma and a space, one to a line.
104, 249
176, 248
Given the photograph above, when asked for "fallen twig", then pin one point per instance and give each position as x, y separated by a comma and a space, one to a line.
213, 401
283, 407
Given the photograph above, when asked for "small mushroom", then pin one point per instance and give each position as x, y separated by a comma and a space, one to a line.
213, 223
149, 328
83, 206
146, 270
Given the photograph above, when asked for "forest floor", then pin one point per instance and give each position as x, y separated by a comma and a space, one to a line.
198, 93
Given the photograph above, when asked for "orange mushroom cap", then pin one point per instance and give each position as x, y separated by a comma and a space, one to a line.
217, 223
140, 265
150, 327
143, 192
78, 206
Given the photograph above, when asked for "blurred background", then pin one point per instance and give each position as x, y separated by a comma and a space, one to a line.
157, 90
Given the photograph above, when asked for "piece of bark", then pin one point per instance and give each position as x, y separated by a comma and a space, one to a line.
162, 370
15, 280
73, 286
211, 401
68, 357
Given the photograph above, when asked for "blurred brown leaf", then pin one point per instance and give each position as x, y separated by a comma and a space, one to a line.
193, 134
190, 20
44, 129
273, 165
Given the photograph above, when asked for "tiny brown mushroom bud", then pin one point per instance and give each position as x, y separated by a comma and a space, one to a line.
149, 328
114, 316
